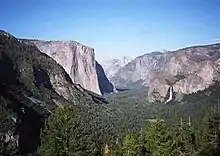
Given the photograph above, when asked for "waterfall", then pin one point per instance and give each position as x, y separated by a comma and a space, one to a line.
114, 89
170, 94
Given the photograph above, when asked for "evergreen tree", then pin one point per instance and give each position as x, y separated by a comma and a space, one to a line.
185, 139
159, 140
59, 136
131, 146
67, 135
211, 141
143, 144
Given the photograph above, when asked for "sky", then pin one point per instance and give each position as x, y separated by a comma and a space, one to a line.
115, 28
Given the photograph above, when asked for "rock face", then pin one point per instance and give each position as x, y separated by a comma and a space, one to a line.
186, 70
32, 85
77, 60
139, 69
104, 84
111, 66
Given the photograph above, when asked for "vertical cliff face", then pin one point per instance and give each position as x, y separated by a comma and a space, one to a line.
77, 60
104, 84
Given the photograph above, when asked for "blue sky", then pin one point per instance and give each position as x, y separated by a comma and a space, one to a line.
115, 27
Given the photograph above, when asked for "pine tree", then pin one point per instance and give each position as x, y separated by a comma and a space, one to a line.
159, 140
70, 133
185, 139
211, 141
59, 136
214, 128
143, 144
131, 146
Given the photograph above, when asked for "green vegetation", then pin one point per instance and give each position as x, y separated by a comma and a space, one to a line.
190, 127
128, 125
130, 146
64, 135
131, 126
159, 140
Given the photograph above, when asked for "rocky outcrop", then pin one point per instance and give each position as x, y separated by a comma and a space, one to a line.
186, 70
138, 69
77, 60
32, 85
104, 84
111, 66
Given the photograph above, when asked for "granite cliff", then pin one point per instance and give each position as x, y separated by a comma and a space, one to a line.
104, 84
78, 61
112, 65
185, 70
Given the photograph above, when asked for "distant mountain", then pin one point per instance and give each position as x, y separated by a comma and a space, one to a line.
111, 66
185, 70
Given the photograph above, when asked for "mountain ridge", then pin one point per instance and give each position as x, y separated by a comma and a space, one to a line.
192, 62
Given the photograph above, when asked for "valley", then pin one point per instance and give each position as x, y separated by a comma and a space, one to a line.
109, 78
57, 100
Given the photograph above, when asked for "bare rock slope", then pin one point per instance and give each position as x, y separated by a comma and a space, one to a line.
186, 70
77, 60
111, 66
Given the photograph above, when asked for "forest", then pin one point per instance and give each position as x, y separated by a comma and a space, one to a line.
130, 126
